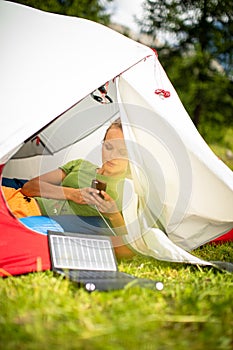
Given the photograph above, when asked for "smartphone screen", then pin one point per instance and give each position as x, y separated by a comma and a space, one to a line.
99, 185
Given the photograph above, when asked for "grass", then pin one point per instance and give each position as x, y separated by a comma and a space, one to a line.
194, 310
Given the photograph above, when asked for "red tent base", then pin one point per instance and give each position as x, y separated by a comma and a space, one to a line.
21, 249
227, 237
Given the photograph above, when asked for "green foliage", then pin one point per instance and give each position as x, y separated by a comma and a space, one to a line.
90, 9
205, 93
207, 23
193, 311
225, 151
200, 50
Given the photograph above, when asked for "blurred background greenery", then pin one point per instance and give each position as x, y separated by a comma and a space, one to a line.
196, 53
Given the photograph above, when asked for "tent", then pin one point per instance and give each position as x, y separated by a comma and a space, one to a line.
63, 80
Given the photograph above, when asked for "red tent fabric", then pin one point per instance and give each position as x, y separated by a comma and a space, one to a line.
21, 249
225, 238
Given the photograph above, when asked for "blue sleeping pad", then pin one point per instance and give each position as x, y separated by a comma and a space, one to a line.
41, 224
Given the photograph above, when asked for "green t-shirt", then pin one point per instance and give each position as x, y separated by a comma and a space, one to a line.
79, 174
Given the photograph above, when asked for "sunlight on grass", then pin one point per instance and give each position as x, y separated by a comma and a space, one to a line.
194, 310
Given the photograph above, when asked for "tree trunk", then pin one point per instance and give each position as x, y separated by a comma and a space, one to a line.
196, 114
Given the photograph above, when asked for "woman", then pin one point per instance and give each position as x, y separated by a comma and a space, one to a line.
67, 190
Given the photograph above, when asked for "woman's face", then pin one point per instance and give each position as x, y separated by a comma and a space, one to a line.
114, 153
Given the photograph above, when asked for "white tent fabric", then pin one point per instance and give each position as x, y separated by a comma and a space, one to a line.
51, 62
181, 194
195, 199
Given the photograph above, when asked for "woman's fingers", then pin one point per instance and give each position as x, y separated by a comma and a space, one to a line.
91, 196
106, 205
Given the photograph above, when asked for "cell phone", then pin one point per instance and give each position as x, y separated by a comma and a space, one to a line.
99, 185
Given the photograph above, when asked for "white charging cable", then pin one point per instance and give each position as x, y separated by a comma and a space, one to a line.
107, 224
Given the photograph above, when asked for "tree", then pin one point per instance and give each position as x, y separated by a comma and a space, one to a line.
200, 48
94, 10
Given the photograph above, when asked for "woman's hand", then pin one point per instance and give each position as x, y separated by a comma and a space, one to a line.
109, 209
87, 195
106, 205
91, 196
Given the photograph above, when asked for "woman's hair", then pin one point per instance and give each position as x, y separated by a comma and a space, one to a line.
115, 124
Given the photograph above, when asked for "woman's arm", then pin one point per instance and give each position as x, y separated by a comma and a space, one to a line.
49, 186
46, 185
118, 223
107, 206
121, 249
